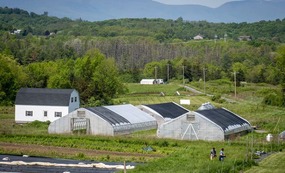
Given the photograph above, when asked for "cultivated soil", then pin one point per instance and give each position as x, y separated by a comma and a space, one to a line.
40, 150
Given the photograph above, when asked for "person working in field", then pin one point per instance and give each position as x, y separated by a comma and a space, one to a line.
213, 153
222, 155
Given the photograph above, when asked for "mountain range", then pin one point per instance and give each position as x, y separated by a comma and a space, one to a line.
98, 10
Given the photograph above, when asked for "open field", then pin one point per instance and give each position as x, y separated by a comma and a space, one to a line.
167, 155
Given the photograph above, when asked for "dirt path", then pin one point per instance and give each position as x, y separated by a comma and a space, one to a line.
61, 151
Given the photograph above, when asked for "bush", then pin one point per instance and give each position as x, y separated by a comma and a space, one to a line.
38, 124
273, 99
218, 99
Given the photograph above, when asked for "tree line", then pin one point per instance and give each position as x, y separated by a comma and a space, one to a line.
93, 75
97, 57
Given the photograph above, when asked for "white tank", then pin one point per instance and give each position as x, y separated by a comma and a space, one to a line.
269, 137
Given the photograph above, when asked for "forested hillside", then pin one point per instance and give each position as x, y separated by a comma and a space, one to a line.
42, 51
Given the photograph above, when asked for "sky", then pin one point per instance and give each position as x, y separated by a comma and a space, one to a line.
209, 3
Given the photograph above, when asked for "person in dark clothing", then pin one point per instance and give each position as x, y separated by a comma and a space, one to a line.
213, 153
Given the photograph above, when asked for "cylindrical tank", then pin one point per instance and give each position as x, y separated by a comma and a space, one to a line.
269, 137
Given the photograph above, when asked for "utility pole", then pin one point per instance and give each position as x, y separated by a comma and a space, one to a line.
183, 74
167, 73
204, 74
235, 79
155, 74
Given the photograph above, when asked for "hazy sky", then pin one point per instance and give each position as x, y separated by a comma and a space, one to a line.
209, 3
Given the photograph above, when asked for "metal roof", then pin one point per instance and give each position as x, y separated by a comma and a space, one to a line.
43, 96
108, 115
168, 110
223, 118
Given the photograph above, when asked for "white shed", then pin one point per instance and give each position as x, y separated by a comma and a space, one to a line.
216, 124
44, 104
151, 81
198, 37
104, 120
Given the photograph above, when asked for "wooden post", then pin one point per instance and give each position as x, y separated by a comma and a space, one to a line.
125, 170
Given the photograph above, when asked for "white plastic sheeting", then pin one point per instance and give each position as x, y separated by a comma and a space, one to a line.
109, 121
131, 113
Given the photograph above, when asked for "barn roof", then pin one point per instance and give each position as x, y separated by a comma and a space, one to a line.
43, 96
108, 115
224, 118
168, 110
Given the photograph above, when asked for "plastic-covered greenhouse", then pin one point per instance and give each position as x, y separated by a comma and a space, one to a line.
207, 123
164, 112
104, 120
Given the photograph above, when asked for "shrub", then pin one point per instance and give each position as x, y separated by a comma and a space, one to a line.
273, 99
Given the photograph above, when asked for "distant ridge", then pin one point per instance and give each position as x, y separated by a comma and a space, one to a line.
97, 10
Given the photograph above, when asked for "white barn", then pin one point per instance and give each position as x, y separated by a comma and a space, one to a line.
104, 120
44, 104
214, 124
164, 112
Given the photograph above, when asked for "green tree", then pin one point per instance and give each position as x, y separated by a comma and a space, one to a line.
96, 78
281, 67
39, 73
152, 70
63, 75
12, 78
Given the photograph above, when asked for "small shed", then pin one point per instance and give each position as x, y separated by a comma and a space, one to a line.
164, 112
212, 124
151, 81
44, 104
104, 120
198, 37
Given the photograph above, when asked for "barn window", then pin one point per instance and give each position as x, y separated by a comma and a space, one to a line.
57, 114
75, 99
29, 113
45, 113
71, 99
190, 117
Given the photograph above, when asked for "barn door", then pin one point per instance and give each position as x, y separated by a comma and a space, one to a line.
80, 125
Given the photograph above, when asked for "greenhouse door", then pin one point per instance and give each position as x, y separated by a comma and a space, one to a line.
80, 125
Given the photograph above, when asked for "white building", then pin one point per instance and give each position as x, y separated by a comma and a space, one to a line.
104, 120
198, 37
151, 81
44, 104
208, 123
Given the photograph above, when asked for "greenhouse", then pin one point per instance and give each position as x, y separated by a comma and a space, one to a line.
104, 120
164, 112
207, 123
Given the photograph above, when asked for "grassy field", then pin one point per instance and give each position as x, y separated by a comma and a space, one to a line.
167, 155
273, 164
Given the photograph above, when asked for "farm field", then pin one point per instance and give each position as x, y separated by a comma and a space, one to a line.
167, 155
